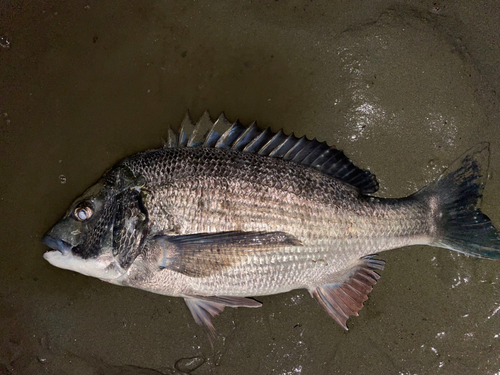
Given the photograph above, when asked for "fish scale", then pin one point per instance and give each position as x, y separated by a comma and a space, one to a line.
224, 212
370, 225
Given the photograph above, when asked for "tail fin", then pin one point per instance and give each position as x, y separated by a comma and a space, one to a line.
457, 195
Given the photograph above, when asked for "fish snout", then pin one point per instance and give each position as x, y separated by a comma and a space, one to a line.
56, 244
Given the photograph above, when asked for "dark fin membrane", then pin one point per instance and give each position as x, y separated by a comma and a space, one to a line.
455, 198
312, 153
204, 308
202, 254
341, 300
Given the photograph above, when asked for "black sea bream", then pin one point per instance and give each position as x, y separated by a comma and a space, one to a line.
224, 212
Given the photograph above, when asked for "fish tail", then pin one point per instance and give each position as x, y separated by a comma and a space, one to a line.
454, 199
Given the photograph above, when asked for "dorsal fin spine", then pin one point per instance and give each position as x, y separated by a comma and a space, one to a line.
305, 151
312, 153
211, 137
270, 145
318, 162
191, 142
184, 132
171, 139
250, 133
278, 151
221, 143
291, 153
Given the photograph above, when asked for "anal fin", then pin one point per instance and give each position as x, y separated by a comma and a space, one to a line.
341, 300
204, 308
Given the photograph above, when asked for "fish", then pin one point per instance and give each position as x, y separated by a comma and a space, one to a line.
224, 213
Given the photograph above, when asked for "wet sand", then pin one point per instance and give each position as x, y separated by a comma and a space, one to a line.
403, 88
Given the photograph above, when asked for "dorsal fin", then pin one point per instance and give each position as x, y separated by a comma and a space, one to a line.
222, 134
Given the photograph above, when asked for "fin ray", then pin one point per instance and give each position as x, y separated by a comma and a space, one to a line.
202, 254
455, 197
204, 308
312, 153
343, 299
187, 128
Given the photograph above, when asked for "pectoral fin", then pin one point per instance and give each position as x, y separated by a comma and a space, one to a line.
202, 254
204, 308
343, 299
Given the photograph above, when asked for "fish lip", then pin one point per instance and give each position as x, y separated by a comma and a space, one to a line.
56, 244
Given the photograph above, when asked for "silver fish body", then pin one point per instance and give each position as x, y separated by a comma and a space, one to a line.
333, 225
242, 214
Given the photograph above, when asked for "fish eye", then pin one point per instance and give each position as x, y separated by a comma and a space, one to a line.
83, 212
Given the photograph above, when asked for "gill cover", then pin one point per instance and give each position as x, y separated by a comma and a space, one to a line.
88, 229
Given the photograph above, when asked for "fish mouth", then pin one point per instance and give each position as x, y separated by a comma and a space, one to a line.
56, 244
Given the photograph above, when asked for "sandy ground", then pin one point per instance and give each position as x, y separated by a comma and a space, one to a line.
402, 87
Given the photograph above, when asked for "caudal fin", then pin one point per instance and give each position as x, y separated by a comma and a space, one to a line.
456, 196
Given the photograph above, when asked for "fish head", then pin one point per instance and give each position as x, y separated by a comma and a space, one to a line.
83, 239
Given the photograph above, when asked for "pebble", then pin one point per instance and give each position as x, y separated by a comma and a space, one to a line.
189, 364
